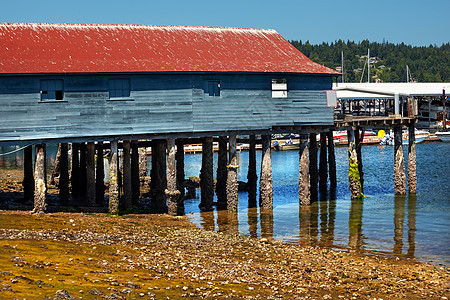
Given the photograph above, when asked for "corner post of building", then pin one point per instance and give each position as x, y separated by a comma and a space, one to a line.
158, 175
399, 162
28, 178
313, 166
75, 170
304, 183
206, 175
323, 168
332, 164
135, 185
252, 177
412, 176
64, 174
353, 169
90, 174
179, 158
127, 191
100, 175
266, 181
40, 180
113, 180
222, 162
232, 181
172, 193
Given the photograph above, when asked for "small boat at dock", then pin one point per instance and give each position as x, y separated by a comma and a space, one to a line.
443, 136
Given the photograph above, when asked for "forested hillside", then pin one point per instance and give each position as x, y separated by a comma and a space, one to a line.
388, 61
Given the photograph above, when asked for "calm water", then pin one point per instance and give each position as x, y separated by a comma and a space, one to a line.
409, 226
405, 226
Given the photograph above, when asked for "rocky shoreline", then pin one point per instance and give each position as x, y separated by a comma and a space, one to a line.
91, 256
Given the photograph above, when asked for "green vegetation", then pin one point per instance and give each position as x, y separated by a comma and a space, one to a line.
388, 60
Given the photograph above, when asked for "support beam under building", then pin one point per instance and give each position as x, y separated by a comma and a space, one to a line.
222, 161
99, 175
127, 191
158, 174
232, 181
172, 193
40, 180
266, 182
332, 165
206, 176
113, 180
64, 174
313, 166
90, 174
412, 177
353, 171
135, 183
28, 177
323, 168
399, 163
304, 181
252, 177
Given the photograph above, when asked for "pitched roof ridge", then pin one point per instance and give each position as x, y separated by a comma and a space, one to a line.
134, 26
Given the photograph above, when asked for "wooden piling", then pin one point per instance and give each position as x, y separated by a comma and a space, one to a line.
304, 184
113, 180
127, 192
323, 168
158, 174
90, 174
359, 137
313, 166
135, 184
64, 174
28, 178
142, 165
412, 177
332, 165
83, 169
40, 182
232, 181
179, 157
54, 179
75, 171
222, 161
353, 172
266, 182
172, 193
100, 175
399, 163
206, 175
252, 177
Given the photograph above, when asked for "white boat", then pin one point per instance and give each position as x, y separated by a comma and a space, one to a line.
420, 135
443, 136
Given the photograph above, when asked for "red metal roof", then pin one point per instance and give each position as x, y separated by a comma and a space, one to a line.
91, 48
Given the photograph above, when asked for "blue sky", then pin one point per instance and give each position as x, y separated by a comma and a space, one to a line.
414, 22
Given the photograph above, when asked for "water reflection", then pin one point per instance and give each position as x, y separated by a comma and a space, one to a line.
399, 221
267, 224
355, 224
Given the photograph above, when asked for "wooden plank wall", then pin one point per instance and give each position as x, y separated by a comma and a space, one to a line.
158, 103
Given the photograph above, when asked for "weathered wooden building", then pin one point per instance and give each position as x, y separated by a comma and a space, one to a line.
85, 83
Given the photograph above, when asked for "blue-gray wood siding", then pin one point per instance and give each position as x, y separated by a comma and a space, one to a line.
158, 104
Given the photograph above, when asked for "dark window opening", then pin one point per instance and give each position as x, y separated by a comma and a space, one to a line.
119, 88
52, 89
214, 88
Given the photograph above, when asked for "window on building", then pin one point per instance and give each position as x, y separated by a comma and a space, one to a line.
119, 88
279, 88
214, 88
52, 89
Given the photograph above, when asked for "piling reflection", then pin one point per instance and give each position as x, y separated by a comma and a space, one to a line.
399, 217
355, 225
227, 222
252, 222
207, 220
305, 224
412, 205
267, 224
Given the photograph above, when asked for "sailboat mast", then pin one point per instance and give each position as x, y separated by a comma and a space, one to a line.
368, 65
342, 65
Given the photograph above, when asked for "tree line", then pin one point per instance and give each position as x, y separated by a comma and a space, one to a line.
388, 61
